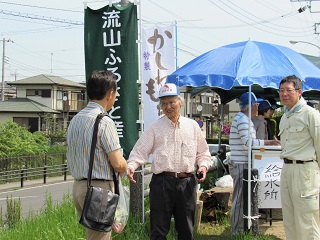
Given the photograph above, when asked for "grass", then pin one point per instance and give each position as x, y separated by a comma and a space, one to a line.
60, 222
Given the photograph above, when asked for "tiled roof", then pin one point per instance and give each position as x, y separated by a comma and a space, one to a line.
24, 105
47, 80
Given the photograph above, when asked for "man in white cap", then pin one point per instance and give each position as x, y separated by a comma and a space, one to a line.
239, 143
177, 146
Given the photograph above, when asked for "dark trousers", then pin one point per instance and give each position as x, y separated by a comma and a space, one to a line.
172, 196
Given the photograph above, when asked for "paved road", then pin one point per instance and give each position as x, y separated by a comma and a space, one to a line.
33, 195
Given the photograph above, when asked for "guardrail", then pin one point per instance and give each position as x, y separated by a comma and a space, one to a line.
31, 161
30, 167
34, 173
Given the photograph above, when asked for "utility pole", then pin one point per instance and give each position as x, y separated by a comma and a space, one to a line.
3, 55
3, 60
51, 61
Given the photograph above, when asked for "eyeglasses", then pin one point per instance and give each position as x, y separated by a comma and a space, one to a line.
170, 103
289, 91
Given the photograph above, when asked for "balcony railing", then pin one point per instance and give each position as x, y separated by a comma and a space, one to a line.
71, 105
207, 109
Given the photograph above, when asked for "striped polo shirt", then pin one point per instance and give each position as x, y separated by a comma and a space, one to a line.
79, 138
239, 138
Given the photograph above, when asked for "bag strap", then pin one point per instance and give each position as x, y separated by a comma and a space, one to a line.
93, 147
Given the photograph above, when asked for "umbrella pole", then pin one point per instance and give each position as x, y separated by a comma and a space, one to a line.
249, 163
221, 125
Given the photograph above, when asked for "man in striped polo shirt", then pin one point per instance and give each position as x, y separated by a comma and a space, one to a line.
102, 93
239, 143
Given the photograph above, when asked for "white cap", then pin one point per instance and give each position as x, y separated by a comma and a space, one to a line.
169, 89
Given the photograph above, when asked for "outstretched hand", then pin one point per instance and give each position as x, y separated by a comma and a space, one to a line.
275, 142
130, 173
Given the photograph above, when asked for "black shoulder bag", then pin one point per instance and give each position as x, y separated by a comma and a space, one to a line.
100, 204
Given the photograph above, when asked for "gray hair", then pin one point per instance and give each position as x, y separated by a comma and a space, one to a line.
244, 107
182, 100
179, 97
297, 83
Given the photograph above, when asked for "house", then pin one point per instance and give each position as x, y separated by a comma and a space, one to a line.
44, 102
204, 106
7, 91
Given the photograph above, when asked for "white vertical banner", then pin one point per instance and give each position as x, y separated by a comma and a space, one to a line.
158, 61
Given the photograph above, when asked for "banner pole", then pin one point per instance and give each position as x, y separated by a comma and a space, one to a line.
141, 115
176, 29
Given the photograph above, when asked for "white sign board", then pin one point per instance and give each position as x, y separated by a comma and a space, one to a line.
267, 160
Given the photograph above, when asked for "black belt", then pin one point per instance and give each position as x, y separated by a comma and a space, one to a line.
177, 175
95, 179
287, 161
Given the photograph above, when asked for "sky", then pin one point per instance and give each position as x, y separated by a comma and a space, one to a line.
46, 36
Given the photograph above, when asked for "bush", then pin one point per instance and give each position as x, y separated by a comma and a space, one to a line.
58, 137
16, 140
57, 149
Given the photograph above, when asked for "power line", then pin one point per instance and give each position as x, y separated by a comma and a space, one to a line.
26, 5
249, 24
38, 17
187, 52
253, 18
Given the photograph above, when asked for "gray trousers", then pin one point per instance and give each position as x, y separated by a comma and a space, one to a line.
236, 172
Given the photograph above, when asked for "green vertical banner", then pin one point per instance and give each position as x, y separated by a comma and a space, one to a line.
110, 39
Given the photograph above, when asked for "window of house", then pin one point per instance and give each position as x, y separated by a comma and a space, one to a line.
31, 92
59, 95
46, 93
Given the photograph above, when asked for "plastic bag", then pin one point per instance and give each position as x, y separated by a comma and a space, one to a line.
225, 181
122, 211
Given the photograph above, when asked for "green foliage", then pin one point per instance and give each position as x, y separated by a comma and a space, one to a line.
49, 202
215, 129
57, 149
58, 137
59, 134
16, 140
13, 215
57, 221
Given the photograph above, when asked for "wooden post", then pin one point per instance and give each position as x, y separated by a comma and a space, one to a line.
198, 214
136, 196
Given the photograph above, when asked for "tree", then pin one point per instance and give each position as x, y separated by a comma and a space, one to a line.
17, 140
